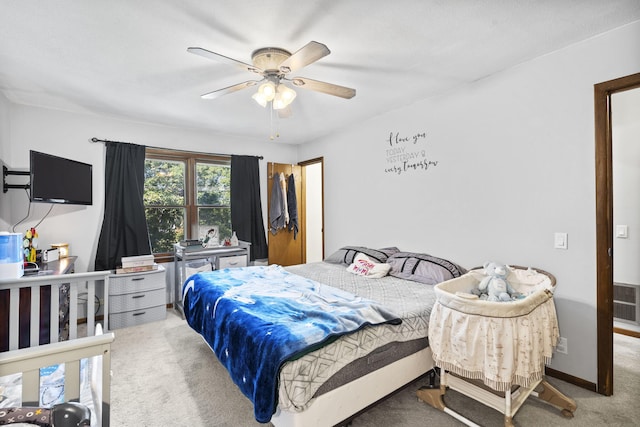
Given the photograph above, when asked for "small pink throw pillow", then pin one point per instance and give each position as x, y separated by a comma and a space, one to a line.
363, 266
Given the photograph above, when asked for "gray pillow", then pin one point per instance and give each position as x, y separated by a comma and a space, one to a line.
346, 254
423, 268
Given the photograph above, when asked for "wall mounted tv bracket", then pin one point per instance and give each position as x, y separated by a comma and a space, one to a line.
5, 186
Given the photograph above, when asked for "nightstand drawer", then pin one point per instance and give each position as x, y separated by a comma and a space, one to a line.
137, 317
136, 282
231, 261
137, 300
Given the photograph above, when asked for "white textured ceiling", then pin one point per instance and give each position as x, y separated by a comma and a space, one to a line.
128, 59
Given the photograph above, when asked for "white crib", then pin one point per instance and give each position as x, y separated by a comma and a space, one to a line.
94, 347
77, 282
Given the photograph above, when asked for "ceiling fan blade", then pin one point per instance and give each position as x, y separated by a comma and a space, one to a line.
218, 93
328, 88
218, 57
308, 54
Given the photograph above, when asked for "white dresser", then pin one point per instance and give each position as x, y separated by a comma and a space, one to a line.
137, 298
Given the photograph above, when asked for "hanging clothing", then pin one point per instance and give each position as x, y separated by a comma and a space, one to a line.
283, 188
292, 206
276, 208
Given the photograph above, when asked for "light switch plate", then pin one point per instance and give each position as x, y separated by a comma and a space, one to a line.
560, 241
622, 231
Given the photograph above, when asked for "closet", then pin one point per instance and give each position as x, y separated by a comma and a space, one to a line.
284, 249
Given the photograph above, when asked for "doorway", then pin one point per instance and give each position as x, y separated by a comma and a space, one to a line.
604, 224
307, 245
313, 177
625, 119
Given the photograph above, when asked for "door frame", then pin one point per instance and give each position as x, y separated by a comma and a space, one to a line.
604, 224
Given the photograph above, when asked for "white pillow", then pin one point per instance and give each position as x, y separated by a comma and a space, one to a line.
363, 266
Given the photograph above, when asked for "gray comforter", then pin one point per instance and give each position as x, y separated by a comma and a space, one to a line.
412, 301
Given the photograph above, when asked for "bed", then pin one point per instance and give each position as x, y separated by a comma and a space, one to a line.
73, 370
329, 378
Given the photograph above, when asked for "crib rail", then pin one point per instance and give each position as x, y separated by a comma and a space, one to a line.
76, 282
28, 361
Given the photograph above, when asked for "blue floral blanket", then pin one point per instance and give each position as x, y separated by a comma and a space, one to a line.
256, 318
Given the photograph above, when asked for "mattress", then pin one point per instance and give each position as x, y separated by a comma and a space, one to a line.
365, 350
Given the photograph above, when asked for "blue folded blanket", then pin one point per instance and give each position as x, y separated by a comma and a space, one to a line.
256, 318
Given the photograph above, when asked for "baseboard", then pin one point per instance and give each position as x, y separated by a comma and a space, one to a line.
627, 332
571, 379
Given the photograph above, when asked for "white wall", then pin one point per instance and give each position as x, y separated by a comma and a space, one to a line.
67, 135
515, 164
4, 153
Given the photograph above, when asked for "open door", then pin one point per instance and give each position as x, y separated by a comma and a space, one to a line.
284, 249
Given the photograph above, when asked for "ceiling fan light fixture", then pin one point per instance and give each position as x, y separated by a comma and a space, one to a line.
278, 103
287, 94
284, 97
260, 99
268, 90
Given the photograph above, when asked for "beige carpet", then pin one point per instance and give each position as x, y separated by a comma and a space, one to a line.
165, 375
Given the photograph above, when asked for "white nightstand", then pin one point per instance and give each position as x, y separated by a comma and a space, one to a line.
137, 298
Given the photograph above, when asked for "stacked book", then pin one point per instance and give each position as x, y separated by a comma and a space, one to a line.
191, 245
136, 264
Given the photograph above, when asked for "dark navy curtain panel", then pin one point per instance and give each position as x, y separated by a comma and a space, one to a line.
124, 227
246, 207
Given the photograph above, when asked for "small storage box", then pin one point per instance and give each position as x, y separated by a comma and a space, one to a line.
196, 266
231, 261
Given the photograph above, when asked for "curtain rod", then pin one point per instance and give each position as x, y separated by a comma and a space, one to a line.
94, 139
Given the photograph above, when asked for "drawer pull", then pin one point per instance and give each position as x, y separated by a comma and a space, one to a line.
137, 278
138, 296
140, 313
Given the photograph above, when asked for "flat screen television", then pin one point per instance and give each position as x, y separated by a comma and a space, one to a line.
58, 180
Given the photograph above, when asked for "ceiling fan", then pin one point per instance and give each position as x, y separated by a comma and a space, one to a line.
274, 65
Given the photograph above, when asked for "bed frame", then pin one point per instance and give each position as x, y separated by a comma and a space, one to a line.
95, 344
339, 405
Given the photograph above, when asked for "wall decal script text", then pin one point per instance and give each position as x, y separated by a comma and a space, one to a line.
406, 153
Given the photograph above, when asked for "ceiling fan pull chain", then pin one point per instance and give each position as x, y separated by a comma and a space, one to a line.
271, 121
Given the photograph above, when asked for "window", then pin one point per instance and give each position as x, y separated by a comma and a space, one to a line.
186, 195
